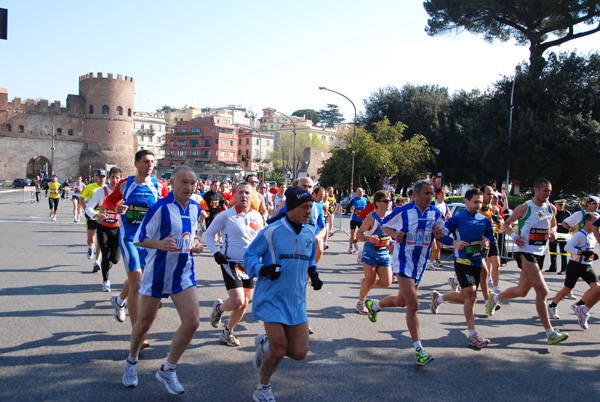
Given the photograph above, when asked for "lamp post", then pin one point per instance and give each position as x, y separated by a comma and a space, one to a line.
53, 135
512, 106
294, 131
353, 139
437, 153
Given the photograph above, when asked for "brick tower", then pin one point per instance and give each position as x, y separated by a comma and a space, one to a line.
108, 137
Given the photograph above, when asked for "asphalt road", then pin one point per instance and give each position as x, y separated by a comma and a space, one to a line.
59, 340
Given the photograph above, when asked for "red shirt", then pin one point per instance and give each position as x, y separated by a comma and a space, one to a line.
367, 210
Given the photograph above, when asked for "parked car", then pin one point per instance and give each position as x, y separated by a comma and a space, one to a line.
456, 207
20, 183
344, 203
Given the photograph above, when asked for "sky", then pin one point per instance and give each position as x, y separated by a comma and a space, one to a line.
254, 54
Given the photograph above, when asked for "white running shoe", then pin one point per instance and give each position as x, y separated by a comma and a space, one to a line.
435, 304
490, 282
75, 218
582, 317
491, 305
570, 296
350, 250
263, 395
553, 313
91, 250
228, 338
54, 218
478, 342
119, 310
215, 316
361, 309
430, 267
170, 381
453, 284
106, 286
259, 354
355, 245
130, 378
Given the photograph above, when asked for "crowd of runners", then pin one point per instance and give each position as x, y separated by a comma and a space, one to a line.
269, 240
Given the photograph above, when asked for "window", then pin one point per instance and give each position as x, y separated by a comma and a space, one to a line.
240, 141
222, 153
239, 152
141, 138
223, 142
183, 130
217, 142
256, 153
91, 109
70, 131
276, 135
232, 154
232, 142
212, 129
207, 154
268, 142
181, 143
197, 130
216, 153
258, 141
105, 109
271, 126
8, 127
129, 112
193, 153
171, 142
21, 129
247, 141
193, 143
207, 143
120, 112
247, 153
151, 128
142, 126
181, 154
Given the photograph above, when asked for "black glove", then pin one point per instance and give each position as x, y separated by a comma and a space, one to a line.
220, 258
315, 282
587, 253
270, 271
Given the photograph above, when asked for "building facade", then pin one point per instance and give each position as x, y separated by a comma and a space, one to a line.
150, 129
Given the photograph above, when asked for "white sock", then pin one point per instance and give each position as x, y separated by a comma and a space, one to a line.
375, 306
169, 367
261, 385
417, 345
132, 360
549, 331
440, 299
473, 332
120, 301
585, 309
265, 346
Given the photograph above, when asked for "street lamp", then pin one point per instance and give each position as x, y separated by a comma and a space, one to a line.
53, 135
294, 131
437, 153
512, 106
354, 138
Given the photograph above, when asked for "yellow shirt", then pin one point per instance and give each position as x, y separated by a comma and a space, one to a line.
89, 190
53, 190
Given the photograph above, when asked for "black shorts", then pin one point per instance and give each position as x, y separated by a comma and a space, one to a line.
53, 203
576, 270
234, 283
91, 224
536, 259
76, 197
355, 225
467, 275
492, 251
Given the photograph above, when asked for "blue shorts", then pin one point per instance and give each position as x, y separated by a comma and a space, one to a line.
133, 256
377, 260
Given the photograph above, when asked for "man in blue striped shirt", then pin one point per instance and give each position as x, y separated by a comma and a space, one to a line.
413, 226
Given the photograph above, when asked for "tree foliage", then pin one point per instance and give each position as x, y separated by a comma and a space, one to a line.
283, 157
541, 24
166, 109
309, 114
331, 115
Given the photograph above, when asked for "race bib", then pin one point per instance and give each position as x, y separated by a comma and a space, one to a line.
135, 215
538, 237
357, 212
111, 217
382, 243
474, 250
53, 191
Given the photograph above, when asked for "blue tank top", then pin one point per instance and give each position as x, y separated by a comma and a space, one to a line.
139, 198
382, 246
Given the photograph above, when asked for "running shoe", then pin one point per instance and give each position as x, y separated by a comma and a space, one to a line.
553, 313
90, 253
215, 316
430, 267
350, 250
356, 245
228, 338
361, 309
326, 247
54, 218
556, 337
496, 309
96, 267
493, 302
106, 286
170, 381
478, 342
582, 317
259, 354
51, 213
263, 395
119, 310
438, 263
372, 313
453, 285
570, 296
130, 377
435, 304
359, 259
310, 331
75, 218
422, 357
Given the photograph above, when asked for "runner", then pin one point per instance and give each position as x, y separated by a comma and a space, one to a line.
133, 196
537, 225
413, 226
214, 200
281, 256
356, 205
492, 259
78, 187
561, 242
331, 201
239, 227
108, 228
436, 249
581, 247
376, 256
53, 195
472, 234
167, 231
258, 203
279, 198
91, 224
574, 223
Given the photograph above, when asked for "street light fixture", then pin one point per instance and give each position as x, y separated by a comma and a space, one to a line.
512, 106
294, 131
437, 153
354, 138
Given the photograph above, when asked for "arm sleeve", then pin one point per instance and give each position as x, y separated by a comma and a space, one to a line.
97, 199
350, 203
217, 225
451, 227
575, 244
252, 258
